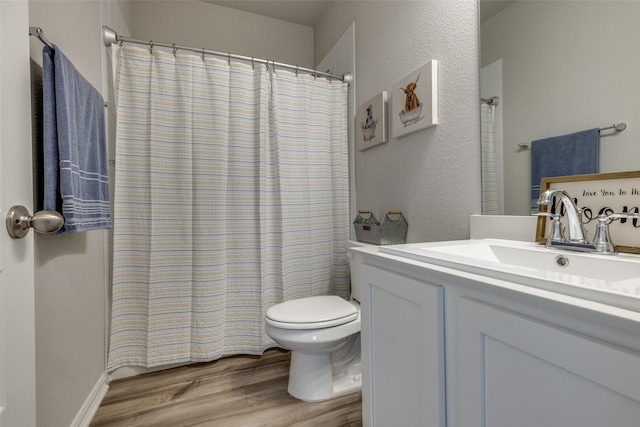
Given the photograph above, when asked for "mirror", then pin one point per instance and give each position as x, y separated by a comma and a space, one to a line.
558, 67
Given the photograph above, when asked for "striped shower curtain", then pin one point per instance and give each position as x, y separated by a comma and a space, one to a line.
231, 196
489, 165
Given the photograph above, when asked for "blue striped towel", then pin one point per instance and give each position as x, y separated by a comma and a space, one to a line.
572, 154
76, 180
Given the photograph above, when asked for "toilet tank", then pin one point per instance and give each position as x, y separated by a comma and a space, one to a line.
355, 263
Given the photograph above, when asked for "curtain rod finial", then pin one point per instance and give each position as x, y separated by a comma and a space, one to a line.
347, 78
109, 36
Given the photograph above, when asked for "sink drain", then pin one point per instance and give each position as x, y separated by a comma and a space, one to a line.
562, 260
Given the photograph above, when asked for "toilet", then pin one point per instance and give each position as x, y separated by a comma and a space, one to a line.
323, 335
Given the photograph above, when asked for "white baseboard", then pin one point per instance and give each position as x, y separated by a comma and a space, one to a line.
91, 405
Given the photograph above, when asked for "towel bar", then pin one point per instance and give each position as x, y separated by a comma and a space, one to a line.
619, 127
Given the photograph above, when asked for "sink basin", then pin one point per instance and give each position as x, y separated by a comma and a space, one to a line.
613, 280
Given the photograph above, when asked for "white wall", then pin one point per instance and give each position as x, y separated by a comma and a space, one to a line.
567, 66
432, 176
193, 23
341, 59
69, 268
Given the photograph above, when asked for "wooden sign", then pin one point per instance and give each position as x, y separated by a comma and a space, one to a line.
596, 194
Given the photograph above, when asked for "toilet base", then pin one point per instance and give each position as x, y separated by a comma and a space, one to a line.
315, 377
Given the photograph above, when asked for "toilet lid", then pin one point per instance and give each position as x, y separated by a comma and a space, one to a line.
315, 312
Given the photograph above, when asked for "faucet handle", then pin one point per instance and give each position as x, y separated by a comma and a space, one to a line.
603, 218
557, 233
553, 216
602, 239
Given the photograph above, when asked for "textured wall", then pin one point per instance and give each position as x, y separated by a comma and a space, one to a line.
432, 176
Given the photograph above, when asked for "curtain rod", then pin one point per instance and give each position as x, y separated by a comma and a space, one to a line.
37, 32
619, 127
109, 37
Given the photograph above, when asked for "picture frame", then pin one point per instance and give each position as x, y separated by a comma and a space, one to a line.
601, 193
415, 101
371, 122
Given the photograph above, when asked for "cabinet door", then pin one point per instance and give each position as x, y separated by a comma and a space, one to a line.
403, 351
517, 371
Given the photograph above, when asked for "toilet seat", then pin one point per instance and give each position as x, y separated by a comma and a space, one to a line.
311, 313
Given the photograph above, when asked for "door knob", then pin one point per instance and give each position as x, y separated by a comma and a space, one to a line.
19, 221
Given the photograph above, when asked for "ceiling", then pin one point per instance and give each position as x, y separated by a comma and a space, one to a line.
304, 12
307, 12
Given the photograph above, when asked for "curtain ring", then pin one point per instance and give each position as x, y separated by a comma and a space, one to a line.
274, 65
203, 54
151, 47
297, 68
266, 65
253, 65
229, 59
120, 41
175, 50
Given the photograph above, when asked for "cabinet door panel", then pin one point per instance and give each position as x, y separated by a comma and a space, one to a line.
515, 370
403, 341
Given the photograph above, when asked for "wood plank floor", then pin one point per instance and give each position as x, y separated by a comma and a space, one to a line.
235, 391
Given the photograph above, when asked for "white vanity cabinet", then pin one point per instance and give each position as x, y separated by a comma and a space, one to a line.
403, 351
445, 348
518, 371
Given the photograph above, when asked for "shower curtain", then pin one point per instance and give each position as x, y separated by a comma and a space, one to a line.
489, 167
231, 196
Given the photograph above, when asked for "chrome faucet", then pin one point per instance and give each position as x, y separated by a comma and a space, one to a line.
577, 234
577, 240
